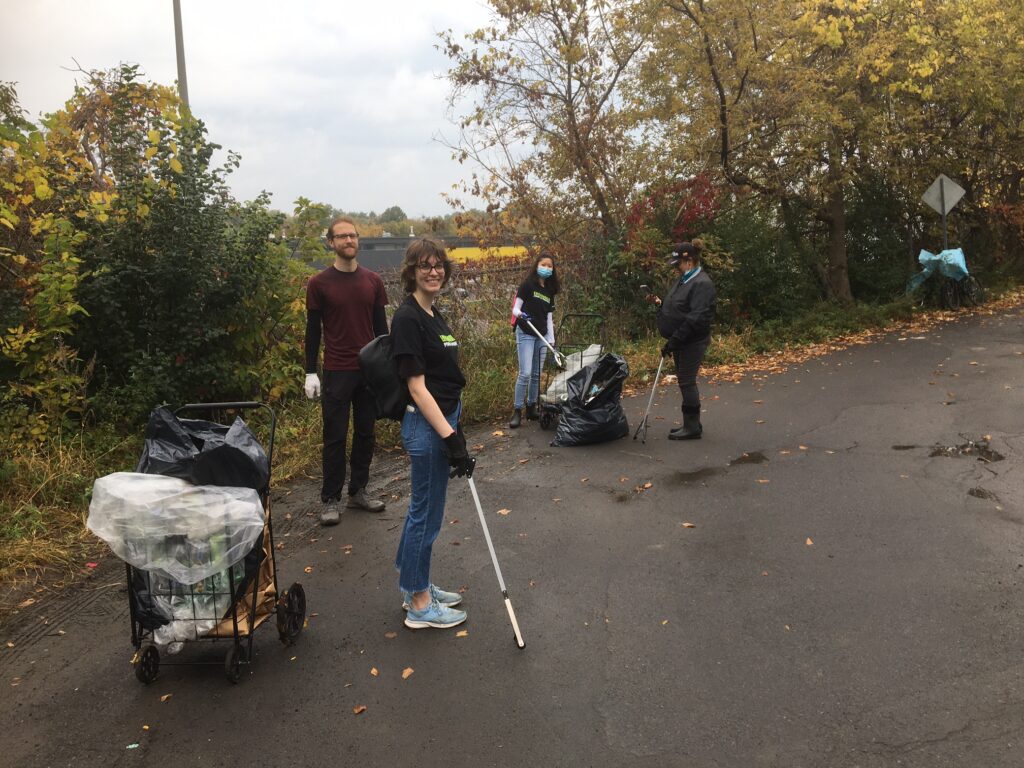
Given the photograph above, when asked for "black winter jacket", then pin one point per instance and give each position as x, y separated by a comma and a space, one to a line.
686, 314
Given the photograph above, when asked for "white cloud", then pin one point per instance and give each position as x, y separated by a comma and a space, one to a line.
338, 102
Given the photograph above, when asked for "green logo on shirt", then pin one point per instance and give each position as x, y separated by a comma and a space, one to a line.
448, 340
538, 295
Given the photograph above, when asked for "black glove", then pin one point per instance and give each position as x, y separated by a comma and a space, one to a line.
458, 457
668, 349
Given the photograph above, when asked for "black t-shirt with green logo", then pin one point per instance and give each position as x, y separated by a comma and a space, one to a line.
538, 301
424, 346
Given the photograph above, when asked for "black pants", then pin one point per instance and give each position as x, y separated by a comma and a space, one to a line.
688, 360
343, 391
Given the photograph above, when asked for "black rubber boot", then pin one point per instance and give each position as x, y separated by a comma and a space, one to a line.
691, 429
517, 418
532, 414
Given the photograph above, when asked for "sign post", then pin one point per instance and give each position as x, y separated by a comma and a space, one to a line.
943, 195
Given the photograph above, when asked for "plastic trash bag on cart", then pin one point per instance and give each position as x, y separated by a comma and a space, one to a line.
558, 390
203, 452
593, 412
172, 528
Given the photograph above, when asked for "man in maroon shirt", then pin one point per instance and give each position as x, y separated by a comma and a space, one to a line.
345, 301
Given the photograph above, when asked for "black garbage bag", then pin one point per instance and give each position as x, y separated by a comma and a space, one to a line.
592, 412
204, 453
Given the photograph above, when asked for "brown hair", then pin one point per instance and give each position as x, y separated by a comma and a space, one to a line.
418, 250
339, 220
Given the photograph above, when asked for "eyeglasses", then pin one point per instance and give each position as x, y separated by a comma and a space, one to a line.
427, 268
345, 236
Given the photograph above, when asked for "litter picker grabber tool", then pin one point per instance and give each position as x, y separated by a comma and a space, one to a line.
558, 357
643, 422
497, 569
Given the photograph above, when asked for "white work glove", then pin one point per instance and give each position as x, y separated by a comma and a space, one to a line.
312, 386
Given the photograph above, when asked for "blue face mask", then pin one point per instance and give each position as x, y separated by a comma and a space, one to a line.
545, 272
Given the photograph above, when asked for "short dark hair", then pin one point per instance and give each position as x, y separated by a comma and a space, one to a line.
339, 220
418, 250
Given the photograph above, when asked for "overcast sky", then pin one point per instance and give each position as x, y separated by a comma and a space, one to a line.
337, 101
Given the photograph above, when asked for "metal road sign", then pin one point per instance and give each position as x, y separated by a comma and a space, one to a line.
943, 194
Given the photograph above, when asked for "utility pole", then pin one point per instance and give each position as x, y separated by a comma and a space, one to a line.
179, 45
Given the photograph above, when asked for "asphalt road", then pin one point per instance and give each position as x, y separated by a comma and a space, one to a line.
850, 594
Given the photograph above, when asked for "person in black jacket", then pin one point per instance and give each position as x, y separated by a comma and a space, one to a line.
684, 319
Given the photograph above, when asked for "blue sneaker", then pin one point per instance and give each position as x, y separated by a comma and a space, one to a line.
434, 615
448, 599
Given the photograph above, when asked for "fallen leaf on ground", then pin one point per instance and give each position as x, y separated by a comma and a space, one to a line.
647, 485
407, 672
802, 447
504, 511
166, 696
764, 573
829, 452
623, 479
688, 525
557, 498
784, 452
809, 542
523, 461
664, 622
359, 710
308, 569
26, 603
498, 433
453, 521
390, 635
478, 447
763, 480
759, 421
758, 402
373, 671
584, 479
91, 565
462, 633
973, 363
787, 627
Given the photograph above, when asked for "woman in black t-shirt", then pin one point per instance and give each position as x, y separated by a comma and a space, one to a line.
534, 305
428, 360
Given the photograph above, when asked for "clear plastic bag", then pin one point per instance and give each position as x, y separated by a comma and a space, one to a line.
172, 528
558, 390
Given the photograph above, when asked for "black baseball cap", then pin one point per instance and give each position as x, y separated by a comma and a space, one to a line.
680, 250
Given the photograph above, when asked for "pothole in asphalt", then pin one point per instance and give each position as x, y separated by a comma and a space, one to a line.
749, 457
904, 447
976, 449
982, 493
697, 475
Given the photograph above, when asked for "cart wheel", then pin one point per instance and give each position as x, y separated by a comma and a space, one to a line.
233, 663
545, 420
949, 296
291, 613
148, 665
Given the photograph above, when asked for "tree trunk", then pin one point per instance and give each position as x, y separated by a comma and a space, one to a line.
838, 278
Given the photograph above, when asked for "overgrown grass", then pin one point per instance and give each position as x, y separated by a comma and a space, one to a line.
45, 490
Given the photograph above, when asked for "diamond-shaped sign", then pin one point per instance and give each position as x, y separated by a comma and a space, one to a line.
943, 190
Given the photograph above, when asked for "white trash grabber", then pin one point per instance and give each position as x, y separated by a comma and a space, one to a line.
558, 357
643, 422
497, 569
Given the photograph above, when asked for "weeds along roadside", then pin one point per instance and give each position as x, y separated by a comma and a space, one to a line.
45, 489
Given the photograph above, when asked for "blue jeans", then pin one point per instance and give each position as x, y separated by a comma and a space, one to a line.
429, 474
531, 352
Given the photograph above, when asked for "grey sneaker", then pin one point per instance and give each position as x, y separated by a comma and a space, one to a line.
434, 615
330, 513
447, 599
358, 500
